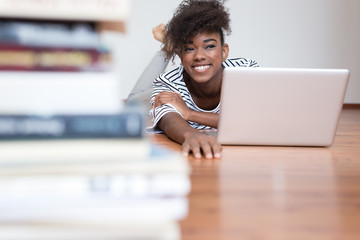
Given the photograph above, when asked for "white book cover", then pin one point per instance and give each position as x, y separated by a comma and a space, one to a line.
91, 10
117, 185
49, 93
27, 153
151, 230
88, 210
88, 157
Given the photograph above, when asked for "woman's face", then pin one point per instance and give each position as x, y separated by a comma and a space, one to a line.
202, 57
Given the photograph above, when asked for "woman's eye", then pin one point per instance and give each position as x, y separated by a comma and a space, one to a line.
210, 46
188, 49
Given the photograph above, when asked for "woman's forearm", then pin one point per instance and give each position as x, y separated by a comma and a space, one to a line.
203, 118
175, 127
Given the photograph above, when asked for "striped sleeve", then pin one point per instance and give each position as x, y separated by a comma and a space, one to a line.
160, 111
165, 82
240, 62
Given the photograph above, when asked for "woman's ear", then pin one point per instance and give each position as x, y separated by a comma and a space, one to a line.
225, 52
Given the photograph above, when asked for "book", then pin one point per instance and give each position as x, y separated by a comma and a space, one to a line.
126, 124
88, 157
151, 230
39, 153
25, 58
105, 10
49, 93
49, 33
90, 210
113, 185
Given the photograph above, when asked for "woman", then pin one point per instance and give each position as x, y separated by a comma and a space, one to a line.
186, 100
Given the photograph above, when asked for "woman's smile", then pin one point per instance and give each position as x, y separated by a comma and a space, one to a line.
202, 68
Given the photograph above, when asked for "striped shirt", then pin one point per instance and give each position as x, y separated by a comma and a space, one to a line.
173, 81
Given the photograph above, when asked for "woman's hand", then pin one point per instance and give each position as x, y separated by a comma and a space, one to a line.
175, 99
198, 142
192, 140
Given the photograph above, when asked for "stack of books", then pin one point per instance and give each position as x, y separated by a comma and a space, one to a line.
91, 189
74, 161
63, 62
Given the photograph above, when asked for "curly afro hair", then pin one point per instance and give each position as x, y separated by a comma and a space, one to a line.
193, 17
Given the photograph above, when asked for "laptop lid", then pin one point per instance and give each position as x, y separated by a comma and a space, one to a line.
281, 106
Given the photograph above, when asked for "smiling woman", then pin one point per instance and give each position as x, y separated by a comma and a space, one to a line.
186, 100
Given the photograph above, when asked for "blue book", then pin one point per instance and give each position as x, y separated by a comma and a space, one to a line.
123, 125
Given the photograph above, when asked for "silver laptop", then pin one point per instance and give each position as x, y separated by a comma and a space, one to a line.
281, 106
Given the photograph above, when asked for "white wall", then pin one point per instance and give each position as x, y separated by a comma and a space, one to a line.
276, 33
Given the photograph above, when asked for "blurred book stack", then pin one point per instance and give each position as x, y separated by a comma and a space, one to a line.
74, 162
91, 189
63, 62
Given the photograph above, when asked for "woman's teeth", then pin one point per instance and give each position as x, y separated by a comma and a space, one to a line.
202, 67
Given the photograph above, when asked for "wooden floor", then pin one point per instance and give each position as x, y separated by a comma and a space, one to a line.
278, 192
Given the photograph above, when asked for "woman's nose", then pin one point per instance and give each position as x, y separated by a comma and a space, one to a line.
199, 54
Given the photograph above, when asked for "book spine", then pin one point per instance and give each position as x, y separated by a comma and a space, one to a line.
124, 125
26, 58
117, 185
91, 209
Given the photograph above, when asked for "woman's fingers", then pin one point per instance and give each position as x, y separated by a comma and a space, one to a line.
169, 97
200, 143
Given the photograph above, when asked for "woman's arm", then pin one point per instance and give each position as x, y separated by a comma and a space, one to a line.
203, 118
192, 140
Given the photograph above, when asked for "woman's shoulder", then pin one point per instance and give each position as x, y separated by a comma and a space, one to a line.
240, 62
171, 75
